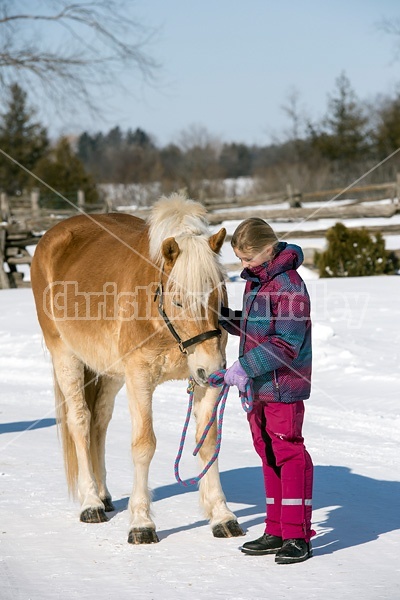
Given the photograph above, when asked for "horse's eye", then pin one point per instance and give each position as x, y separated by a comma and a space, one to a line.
177, 303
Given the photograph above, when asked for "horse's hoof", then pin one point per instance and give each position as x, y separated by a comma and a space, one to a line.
93, 515
227, 530
108, 505
142, 535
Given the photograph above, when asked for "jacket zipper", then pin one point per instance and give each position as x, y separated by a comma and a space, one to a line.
276, 384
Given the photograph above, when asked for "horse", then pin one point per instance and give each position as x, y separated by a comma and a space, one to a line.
122, 300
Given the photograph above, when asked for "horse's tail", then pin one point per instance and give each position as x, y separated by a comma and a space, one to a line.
68, 445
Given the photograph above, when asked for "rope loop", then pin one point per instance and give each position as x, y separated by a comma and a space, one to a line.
215, 380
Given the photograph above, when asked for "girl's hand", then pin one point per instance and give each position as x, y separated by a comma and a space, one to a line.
236, 375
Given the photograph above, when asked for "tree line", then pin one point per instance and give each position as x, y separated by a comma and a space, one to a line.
350, 139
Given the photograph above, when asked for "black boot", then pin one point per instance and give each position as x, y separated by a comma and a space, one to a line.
266, 544
293, 551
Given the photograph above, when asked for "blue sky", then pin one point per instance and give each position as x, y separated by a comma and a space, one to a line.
230, 65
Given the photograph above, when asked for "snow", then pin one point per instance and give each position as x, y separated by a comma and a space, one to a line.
285, 205
319, 224
351, 430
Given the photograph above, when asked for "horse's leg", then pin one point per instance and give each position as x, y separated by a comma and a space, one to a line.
212, 498
142, 527
74, 412
104, 391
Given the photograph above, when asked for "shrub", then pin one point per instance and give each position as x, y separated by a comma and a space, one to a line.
354, 253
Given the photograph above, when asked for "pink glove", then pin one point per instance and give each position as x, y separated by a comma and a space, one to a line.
236, 375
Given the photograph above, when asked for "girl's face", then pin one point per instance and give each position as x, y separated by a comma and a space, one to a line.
254, 258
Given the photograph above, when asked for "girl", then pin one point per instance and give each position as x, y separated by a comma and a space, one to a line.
275, 352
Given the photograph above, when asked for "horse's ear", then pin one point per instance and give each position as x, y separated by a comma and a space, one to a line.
217, 240
170, 251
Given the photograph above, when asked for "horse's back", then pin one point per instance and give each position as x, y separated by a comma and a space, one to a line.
80, 270
86, 244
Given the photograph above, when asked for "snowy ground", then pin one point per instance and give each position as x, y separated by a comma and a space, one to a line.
351, 430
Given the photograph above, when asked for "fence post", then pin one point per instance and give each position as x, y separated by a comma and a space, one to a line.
289, 193
81, 199
293, 197
108, 203
35, 195
4, 281
396, 198
4, 207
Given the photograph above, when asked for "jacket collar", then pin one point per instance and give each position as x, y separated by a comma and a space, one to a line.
288, 257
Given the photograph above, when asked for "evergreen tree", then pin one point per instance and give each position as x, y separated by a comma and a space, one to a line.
22, 138
172, 164
64, 171
114, 138
91, 149
387, 131
139, 138
235, 160
342, 136
119, 158
85, 147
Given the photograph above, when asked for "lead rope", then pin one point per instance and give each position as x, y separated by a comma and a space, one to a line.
215, 380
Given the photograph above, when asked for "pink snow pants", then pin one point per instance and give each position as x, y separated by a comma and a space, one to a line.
276, 429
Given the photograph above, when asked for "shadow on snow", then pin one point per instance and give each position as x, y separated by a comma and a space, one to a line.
357, 509
26, 425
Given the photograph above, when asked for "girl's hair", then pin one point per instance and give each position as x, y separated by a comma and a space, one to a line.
253, 234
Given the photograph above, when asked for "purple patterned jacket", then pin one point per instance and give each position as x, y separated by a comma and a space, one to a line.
275, 328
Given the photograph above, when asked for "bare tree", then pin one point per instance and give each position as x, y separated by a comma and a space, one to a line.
198, 136
200, 166
295, 114
71, 48
391, 27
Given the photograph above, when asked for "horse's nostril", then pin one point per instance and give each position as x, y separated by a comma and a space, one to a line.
202, 375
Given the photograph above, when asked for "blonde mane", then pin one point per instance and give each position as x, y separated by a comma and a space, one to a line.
197, 270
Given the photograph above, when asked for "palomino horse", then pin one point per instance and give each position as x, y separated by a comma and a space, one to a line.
124, 300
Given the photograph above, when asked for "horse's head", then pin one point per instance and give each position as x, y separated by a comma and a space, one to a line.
192, 292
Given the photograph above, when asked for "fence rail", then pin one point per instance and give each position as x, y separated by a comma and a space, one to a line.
24, 219
391, 188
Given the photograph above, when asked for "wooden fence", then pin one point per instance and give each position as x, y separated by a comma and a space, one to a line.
295, 198
24, 219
